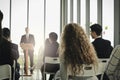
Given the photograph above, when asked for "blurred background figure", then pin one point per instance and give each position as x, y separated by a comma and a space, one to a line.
51, 50
28, 39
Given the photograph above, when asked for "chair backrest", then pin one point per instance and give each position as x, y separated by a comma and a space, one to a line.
5, 72
52, 60
103, 62
90, 70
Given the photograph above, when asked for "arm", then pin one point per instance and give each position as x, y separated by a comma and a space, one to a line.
33, 40
63, 70
22, 40
113, 62
15, 52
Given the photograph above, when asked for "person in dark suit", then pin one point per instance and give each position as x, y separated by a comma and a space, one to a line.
51, 50
28, 38
6, 56
14, 49
103, 47
5, 50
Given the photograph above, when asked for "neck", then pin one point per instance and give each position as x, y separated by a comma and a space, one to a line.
97, 37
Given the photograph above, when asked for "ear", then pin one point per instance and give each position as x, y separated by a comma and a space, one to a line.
94, 34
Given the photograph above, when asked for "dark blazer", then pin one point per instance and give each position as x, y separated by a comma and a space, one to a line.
6, 56
51, 49
30, 40
103, 47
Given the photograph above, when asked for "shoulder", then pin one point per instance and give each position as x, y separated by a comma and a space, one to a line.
107, 41
14, 45
103, 40
116, 51
31, 35
23, 35
5, 42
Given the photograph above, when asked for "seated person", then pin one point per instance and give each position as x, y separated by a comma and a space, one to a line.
14, 49
6, 56
103, 47
113, 67
76, 51
51, 47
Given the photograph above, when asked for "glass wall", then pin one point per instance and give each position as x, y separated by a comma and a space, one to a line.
32, 12
52, 17
5, 8
18, 20
93, 11
107, 20
36, 20
75, 11
83, 12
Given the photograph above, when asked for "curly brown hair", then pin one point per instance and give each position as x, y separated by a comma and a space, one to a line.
76, 49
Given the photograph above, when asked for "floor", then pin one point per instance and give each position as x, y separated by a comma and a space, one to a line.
35, 76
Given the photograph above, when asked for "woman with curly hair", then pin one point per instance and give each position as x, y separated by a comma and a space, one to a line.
76, 51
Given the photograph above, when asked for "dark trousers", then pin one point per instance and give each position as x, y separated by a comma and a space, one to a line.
31, 57
49, 68
105, 77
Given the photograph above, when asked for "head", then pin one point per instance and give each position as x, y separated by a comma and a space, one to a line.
53, 36
76, 48
27, 30
1, 15
96, 30
6, 33
1, 18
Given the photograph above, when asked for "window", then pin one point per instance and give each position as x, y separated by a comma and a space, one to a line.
108, 18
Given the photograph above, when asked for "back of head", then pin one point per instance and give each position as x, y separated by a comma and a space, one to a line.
53, 36
76, 48
6, 33
1, 18
96, 28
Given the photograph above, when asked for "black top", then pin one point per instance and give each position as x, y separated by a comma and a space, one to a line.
6, 56
103, 47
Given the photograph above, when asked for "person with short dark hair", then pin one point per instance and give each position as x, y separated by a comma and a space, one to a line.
6, 56
15, 53
103, 47
51, 50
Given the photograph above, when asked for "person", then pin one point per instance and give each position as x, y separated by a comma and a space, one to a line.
6, 56
103, 47
28, 39
14, 48
76, 51
112, 70
50, 50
